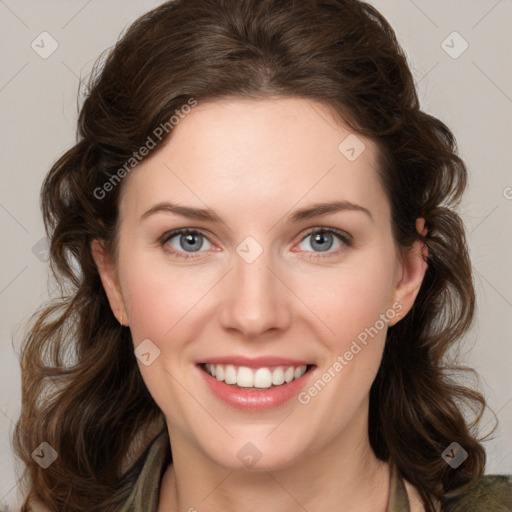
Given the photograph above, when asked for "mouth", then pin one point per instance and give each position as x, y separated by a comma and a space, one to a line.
255, 379
255, 385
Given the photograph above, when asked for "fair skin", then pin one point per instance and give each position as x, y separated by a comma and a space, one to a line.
254, 163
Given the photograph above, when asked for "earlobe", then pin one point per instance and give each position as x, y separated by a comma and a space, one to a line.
108, 274
414, 265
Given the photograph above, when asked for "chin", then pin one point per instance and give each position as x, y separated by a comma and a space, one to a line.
255, 451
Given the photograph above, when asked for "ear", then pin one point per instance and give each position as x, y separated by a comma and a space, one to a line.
411, 273
110, 280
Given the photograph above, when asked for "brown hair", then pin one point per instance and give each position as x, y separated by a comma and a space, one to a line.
82, 389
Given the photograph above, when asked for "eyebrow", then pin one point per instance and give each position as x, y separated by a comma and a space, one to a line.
205, 214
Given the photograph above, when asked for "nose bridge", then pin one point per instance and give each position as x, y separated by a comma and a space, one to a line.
255, 299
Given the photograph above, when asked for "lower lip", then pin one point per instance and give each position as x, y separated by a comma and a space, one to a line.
251, 399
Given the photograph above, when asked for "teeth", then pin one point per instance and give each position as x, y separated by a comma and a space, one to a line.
244, 378
230, 374
262, 378
278, 376
258, 378
210, 368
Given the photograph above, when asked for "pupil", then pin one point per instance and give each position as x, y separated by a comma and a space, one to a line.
321, 238
190, 241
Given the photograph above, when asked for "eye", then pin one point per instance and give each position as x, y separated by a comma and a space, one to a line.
186, 240
324, 239
189, 241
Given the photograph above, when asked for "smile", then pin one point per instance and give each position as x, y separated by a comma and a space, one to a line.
255, 384
260, 378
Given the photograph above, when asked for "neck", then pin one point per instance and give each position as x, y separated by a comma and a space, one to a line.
342, 475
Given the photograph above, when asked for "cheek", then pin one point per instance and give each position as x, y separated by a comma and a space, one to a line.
355, 304
351, 299
346, 300
158, 295
157, 302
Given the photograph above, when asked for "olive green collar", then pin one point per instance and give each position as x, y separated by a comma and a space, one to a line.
398, 499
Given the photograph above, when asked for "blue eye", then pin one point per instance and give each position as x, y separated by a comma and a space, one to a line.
323, 239
190, 241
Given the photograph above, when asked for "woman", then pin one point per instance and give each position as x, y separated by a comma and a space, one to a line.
222, 143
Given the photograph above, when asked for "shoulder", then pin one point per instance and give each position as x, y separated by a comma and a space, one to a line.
488, 493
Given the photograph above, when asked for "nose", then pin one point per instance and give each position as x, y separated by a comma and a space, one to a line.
256, 299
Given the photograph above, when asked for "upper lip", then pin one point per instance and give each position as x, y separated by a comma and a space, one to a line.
256, 362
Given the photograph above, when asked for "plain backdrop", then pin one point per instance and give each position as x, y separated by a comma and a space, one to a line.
464, 78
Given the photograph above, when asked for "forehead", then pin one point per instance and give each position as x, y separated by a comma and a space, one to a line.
258, 155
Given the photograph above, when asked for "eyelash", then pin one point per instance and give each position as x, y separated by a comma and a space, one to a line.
342, 236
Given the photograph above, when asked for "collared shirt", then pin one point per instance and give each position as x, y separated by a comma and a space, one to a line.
489, 493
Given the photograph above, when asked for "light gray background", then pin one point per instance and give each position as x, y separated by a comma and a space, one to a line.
472, 94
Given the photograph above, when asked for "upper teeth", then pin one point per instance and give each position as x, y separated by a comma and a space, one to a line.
258, 377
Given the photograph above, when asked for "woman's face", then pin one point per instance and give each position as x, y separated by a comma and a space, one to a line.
251, 292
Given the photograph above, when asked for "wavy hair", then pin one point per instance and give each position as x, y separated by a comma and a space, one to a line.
82, 391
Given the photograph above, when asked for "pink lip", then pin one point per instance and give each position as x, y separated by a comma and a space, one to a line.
256, 362
251, 400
